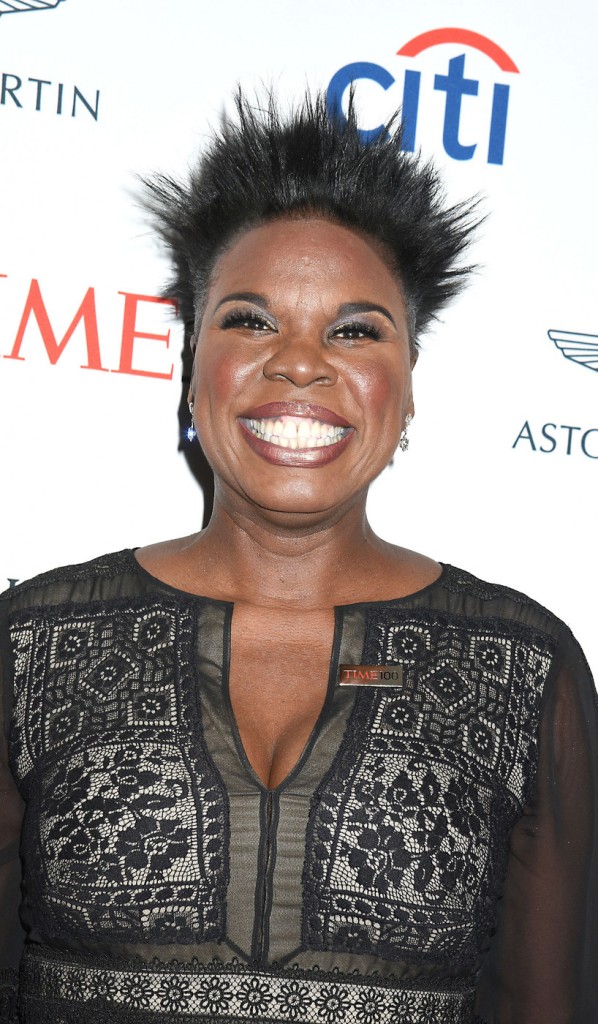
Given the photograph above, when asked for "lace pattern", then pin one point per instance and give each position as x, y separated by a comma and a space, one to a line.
127, 825
458, 581
8, 993
126, 832
407, 839
226, 993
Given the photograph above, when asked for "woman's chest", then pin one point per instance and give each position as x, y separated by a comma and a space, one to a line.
147, 821
278, 679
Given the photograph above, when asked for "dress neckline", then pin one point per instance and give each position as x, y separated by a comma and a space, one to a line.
304, 755
141, 571
340, 612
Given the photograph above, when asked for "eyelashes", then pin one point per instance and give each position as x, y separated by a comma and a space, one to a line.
356, 331
248, 319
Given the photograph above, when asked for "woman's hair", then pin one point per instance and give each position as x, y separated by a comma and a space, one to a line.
263, 165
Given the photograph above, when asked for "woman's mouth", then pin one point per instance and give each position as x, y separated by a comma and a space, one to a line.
295, 432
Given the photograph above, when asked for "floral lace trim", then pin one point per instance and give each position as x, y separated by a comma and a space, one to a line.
128, 828
225, 993
408, 833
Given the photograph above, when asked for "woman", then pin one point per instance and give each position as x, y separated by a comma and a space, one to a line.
220, 824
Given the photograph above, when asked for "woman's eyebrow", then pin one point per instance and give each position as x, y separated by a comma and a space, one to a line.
350, 308
346, 309
259, 300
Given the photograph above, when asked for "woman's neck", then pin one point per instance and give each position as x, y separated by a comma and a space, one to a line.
250, 556
295, 563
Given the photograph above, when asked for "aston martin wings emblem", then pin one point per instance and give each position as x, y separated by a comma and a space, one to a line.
581, 348
17, 6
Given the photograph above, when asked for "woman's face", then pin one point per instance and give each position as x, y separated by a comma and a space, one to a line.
302, 374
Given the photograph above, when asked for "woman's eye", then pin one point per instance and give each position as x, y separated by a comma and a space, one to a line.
356, 332
246, 319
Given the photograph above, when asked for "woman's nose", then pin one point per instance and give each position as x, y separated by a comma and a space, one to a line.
302, 361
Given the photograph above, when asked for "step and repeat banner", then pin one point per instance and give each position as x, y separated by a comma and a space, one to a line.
501, 475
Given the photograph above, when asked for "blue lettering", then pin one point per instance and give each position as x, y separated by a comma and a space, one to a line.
10, 90
593, 430
78, 95
570, 437
456, 86
340, 82
525, 434
548, 437
409, 108
498, 124
38, 98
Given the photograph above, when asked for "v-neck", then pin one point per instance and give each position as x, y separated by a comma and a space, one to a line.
226, 607
333, 667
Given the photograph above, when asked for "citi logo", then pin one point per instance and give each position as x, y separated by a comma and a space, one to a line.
451, 80
18, 6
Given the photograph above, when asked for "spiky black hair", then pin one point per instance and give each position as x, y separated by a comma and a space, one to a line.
263, 165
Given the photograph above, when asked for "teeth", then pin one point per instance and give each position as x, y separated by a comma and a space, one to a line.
296, 432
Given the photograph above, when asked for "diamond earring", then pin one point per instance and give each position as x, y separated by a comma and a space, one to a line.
404, 440
191, 431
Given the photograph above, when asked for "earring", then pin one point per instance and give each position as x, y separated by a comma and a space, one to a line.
191, 431
404, 440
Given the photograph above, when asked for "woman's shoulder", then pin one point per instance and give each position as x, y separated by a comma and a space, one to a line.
68, 582
462, 595
470, 622
460, 581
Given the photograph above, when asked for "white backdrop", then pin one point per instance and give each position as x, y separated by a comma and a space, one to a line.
94, 91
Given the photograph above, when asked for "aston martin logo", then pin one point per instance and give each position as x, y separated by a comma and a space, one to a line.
18, 6
581, 348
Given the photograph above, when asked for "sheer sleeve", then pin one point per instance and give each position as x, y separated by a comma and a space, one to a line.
11, 815
542, 967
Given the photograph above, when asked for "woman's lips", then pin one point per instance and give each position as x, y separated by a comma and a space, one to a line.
295, 441
296, 433
273, 410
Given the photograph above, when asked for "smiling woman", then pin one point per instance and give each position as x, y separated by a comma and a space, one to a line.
323, 317
281, 770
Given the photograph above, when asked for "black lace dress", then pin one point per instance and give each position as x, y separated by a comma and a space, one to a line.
431, 857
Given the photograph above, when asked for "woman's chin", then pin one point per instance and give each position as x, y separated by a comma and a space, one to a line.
285, 505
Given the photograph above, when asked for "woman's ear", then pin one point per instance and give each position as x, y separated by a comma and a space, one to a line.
410, 406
